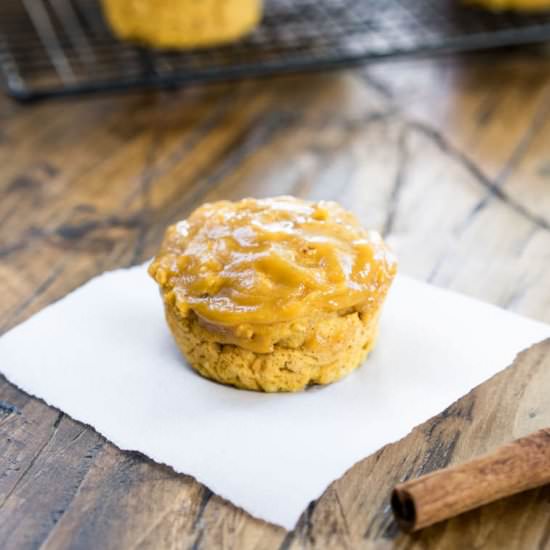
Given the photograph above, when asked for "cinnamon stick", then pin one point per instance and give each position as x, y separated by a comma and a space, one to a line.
512, 468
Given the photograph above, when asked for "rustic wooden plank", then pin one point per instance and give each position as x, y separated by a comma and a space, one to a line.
447, 157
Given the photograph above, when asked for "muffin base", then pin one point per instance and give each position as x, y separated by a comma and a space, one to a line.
284, 369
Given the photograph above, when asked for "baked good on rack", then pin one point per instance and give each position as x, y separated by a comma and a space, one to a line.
273, 294
182, 23
517, 5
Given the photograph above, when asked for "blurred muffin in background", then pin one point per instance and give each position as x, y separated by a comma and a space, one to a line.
517, 5
182, 23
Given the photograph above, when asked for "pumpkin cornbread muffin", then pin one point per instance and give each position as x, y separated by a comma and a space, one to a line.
182, 23
273, 294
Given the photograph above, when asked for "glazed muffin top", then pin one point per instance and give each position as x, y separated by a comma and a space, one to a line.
268, 261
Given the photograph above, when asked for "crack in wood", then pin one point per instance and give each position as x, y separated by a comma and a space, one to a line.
462, 409
439, 454
58, 514
398, 183
537, 123
439, 263
342, 512
308, 521
391, 530
382, 520
73, 232
79, 435
441, 141
33, 460
197, 542
7, 250
206, 495
287, 541
375, 84
76, 231
487, 109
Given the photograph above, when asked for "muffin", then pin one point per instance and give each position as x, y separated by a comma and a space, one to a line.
182, 23
273, 294
518, 5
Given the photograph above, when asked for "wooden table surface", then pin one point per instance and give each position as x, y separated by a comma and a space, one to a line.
450, 158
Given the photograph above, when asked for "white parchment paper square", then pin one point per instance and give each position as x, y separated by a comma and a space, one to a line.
104, 355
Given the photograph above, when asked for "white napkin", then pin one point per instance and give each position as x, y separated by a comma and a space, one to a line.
104, 355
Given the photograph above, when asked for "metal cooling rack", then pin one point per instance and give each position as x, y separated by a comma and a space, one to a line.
60, 47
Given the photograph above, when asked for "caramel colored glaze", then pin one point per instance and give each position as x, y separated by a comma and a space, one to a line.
253, 271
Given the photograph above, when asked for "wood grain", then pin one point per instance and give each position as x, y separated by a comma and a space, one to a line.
448, 157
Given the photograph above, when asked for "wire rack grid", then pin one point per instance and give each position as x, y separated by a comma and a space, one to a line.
60, 47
